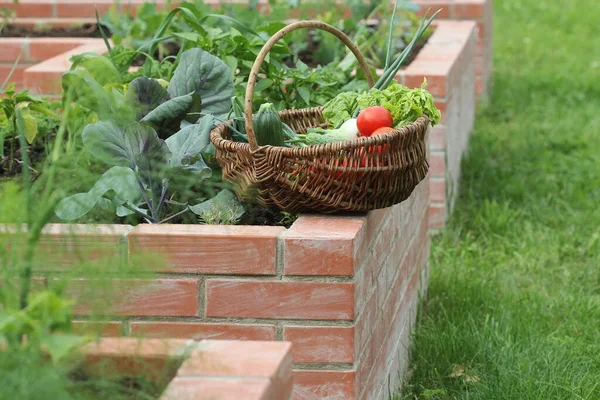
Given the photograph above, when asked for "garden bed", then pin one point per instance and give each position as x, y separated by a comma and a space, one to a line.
342, 289
447, 61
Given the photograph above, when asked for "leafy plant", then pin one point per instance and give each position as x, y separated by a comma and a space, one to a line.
38, 120
41, 317
157, 152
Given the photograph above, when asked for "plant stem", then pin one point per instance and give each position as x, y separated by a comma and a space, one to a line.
146, 198
138, 212
25, 273
173, 216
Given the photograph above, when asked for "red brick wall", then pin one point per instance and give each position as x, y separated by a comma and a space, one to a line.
342, 289
30, 51
448, 63
481, 12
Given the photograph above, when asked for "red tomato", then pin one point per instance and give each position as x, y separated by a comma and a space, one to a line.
384, 129
372, 118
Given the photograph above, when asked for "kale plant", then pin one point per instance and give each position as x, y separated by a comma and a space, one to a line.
155, 137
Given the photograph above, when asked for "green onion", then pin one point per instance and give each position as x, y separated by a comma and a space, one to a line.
390, 71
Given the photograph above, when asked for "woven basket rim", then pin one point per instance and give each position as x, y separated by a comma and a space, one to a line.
362, 141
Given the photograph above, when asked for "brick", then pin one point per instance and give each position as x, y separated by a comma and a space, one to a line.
479, 66
469, 9
481, 30
364, 324
66, 246
106, 329
45, 77
30, 8
437, 138
437, 190
433, 6
135, 297
41, 49
437, 163
201, 331
195, 388
321, 344
117, 357
322, 246
248, 359
437, 215
480, 85
442, 105
264, 299
81, 9
209, 249
436, 83
12, 48
323, 384
17, 74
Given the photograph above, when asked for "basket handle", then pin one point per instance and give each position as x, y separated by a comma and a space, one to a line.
269, 45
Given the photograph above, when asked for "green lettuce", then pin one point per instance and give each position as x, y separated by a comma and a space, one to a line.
340, 108
406, 105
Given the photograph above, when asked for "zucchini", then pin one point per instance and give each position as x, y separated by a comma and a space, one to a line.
268, 127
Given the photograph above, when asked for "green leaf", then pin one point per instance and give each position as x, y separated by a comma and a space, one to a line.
87, 92
30, 126
99, 67
167, 117
191, 36
263, 84
61, 346
133, 147
224, 202
206, 75
187, 147
304, 94
120, 180
145, 94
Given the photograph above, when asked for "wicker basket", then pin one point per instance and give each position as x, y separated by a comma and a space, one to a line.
358, 175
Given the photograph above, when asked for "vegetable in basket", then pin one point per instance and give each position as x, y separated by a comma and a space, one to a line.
268, 126
372, 118
405, 105
348, 131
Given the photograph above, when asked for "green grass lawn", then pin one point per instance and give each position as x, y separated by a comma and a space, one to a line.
513, 309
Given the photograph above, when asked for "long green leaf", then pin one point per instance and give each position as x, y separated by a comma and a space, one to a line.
243, 28
103, 34
390, 72
390, 36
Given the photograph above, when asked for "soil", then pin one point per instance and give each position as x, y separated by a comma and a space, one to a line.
264, 217
37, 154
168, 48
79, 31
123, 388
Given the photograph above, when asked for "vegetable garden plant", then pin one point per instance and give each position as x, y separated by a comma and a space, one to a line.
146, 133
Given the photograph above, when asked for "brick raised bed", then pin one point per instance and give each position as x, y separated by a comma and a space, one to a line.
342, 289
448, 63
226, 370
34, 51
